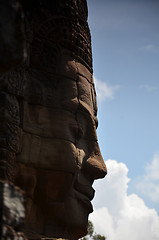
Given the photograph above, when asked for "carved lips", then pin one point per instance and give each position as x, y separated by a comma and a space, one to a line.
84, 191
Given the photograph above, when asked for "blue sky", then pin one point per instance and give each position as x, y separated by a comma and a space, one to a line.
125, 43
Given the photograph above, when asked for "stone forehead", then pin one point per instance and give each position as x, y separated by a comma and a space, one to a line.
58, 27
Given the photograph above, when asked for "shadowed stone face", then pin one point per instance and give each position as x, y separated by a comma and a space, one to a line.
58, 157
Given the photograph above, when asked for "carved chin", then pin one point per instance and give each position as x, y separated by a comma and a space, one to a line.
71, 219
55, 211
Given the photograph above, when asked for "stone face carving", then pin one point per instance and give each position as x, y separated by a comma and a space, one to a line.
49, 117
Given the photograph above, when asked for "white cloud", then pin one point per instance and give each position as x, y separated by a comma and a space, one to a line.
104, 91
149, 88
149, 48
118, 215
148, 184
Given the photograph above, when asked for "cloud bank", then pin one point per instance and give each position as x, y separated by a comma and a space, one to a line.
120, 216
148, 184
104, 91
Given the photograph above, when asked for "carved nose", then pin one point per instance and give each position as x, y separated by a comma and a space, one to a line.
94, 165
